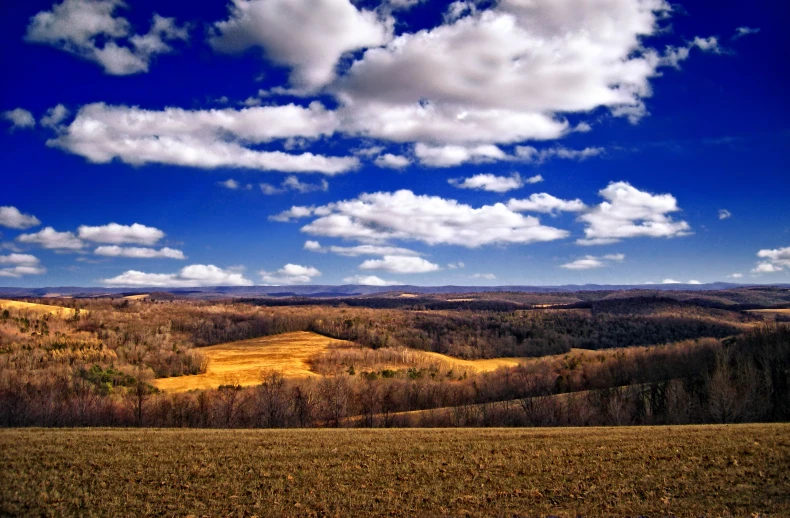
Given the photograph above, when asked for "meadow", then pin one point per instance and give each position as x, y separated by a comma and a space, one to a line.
712, 470
37, 309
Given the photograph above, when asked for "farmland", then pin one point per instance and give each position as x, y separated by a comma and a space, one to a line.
38, 309
737, 470
242, 362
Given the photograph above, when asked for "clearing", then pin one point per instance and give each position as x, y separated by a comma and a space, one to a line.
242, 362
683, 471
37, 308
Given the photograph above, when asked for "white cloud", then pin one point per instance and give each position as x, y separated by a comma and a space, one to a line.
195, 275
201, 138
382, 216
486, 276
452, 155
744, 31
292, 183
139, 253
490, 182
356, 251
370, 280
534, 179
11, 217
19, 259
724, 214
230, 183
23, 264
671, 281
533, 155
455, 266
89, 29
52, 239
775, 260
20, 118
290, 274
310, 36
116, 234
735, 276
590, 262
693, 281
392, 161
506, 74
673, 55
54, 116
400, 264
629, 212
546, 203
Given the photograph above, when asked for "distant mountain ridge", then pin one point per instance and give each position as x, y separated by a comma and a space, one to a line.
347, 290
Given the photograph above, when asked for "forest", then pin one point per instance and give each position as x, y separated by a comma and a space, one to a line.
616, 358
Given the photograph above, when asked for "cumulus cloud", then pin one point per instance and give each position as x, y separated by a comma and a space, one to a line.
455, 266
451, 155
735, 276
116, 234
674, 55
309, 36
492, 183
50, 238
506, 74
230, 183
191, 276
774, 260
370, 280
378, 217
290, 274
724, 214
590, 262
20, 118
629, 212
11, 217
293, 183
90, 29
356, 251
206, 139
19, 265
392, 161
54, 116
533, 155
400, 264
546, 203
139, 252
740, 32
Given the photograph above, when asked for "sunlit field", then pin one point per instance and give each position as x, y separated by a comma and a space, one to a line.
734, 470
38, 309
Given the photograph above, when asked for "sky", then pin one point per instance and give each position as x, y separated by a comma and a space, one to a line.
280, 142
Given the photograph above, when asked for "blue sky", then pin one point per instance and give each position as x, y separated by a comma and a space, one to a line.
418, 142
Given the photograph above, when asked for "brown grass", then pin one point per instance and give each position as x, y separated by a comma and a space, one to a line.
141, 296
242, 362
692, 471
36, 308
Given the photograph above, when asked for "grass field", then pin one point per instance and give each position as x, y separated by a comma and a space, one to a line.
735, 470
242, 362
36, 308
289, 354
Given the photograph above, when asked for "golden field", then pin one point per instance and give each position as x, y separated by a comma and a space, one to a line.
688, 471
242, 362
36, 308
291, 354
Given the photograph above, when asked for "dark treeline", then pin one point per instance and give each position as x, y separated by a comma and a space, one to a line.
698, 381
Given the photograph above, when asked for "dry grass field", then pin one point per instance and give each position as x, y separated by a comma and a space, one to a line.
140, 296
475, 366
242, 362
36, 308
691, 471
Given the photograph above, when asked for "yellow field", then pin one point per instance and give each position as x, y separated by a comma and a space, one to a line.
137, 297
475, 366
36, 308
242, 362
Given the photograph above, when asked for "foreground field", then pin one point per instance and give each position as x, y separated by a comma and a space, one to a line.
242, 362
39, 309
737, 470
